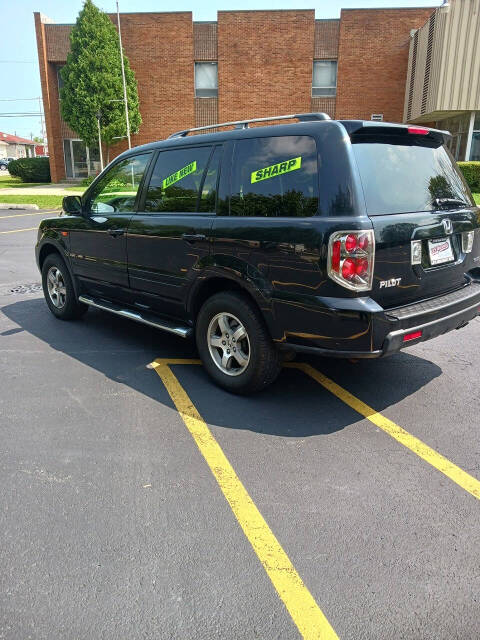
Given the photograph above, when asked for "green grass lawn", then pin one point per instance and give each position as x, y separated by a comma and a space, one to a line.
9, 182
44, 202
78, 189
477, 197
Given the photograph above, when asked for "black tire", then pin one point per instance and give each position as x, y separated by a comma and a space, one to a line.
71, 309
3, 167
263, 361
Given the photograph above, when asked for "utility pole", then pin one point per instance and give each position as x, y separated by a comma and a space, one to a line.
123, 79
42, 124
99, 115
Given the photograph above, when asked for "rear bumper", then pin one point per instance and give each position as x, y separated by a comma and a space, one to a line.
386, 329
395, 339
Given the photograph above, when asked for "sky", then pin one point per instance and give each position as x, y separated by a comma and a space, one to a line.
19, 74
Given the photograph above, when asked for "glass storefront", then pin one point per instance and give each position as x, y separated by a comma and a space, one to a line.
475, 146
80, 161
458, 127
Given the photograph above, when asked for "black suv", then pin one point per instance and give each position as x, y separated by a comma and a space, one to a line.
350, 239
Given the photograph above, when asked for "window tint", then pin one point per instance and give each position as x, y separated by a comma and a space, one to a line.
401, 176
275, 177
176, 180
117, 190
206, 80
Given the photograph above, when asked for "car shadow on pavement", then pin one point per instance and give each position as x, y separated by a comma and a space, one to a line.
294, 406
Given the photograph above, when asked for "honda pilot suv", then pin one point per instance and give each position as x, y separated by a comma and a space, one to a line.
349, 239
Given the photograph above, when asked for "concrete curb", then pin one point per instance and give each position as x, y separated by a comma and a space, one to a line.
7, 205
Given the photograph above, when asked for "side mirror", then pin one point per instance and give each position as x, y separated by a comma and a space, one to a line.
72, 205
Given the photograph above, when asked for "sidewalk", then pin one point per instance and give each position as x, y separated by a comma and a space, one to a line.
44, 190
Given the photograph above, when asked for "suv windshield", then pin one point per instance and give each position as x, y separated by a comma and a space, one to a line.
404, 173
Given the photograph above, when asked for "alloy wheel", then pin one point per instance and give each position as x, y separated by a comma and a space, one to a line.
56, 287
228, 344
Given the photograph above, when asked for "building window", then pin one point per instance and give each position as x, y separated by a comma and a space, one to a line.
324, 81
206, 80
80, 160
458, 127
59, 77
475, 147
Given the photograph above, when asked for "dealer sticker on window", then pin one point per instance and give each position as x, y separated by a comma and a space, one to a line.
178, 175
440, 251
276, 169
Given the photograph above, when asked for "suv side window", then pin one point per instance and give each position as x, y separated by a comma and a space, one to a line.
179, 182
117, 190
275, 176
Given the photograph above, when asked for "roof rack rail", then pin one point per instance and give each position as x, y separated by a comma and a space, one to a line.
243, 124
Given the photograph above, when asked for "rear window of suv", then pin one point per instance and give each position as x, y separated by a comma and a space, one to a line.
404, 173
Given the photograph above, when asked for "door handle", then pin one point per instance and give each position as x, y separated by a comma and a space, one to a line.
116, 232
193, 237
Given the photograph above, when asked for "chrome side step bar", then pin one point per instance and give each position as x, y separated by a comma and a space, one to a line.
143, 317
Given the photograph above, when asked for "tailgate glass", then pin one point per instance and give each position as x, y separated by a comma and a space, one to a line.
403, 173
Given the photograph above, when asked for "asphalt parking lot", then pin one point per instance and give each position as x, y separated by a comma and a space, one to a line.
140, 501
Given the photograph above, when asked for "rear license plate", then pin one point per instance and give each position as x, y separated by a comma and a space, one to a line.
440, 251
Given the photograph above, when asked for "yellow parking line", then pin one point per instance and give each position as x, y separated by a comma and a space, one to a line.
21, 215
435, 459
18, 230
303, 609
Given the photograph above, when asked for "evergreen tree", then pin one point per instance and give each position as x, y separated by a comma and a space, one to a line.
92, 81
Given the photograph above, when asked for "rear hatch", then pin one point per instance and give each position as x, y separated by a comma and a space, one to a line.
414, 191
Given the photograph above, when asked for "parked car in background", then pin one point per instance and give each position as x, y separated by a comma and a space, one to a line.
348, 239
4, 164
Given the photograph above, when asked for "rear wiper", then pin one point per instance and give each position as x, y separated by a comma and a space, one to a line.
445, 202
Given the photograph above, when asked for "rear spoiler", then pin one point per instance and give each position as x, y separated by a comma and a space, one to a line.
385, 128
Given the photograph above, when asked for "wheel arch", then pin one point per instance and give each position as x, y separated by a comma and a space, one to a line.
49, 248
216, 283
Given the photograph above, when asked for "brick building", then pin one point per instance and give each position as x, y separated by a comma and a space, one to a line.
247, 64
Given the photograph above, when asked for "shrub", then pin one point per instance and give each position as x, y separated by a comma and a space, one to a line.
471, 172
87, 181
30, 169
12, 168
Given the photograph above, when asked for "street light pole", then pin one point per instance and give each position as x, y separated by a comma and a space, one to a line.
44, 134
99, 115
123, 79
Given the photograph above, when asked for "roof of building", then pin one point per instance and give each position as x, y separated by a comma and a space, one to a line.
7, 137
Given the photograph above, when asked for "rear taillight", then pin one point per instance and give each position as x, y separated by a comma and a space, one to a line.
418, 131
351, 256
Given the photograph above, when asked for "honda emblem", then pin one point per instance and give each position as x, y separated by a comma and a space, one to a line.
447, 225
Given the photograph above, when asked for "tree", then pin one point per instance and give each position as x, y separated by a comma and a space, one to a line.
92, 81
38, 139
